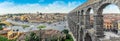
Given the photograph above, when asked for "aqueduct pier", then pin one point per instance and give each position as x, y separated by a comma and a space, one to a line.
79, 21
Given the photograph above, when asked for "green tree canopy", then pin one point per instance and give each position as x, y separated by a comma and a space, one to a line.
32, 37
68, 36
25, 26
65, 31
5, 39
41, 26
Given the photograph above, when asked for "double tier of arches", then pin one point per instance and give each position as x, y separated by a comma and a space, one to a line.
84, 19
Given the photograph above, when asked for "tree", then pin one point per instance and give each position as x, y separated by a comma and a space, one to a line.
54, 39
32, 37
1, 27
41, 26
65, 31
25, 26
68, 36
5, 39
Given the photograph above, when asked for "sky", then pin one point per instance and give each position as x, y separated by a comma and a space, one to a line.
43, 6
112, 8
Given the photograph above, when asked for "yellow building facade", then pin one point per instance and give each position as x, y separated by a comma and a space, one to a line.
24, 17
118, 25
108, 24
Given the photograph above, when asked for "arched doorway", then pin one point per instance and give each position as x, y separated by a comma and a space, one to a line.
88, 37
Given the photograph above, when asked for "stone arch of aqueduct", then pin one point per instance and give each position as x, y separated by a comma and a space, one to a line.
79, 20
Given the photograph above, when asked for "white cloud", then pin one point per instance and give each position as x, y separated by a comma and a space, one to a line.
111, 9
57, 6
